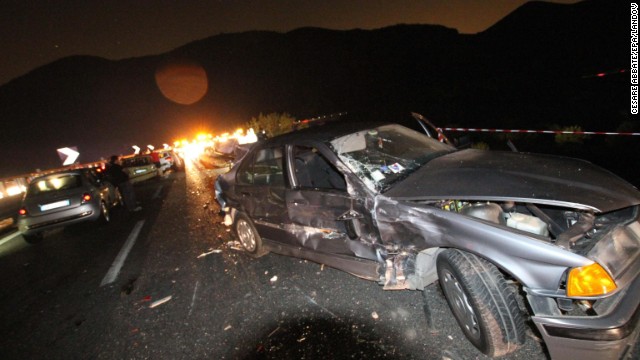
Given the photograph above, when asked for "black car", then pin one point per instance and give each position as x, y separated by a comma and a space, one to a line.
390, 204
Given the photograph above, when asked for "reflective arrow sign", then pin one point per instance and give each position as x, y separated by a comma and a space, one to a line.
68, 155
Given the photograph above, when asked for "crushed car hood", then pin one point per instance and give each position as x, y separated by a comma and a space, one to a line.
501, 176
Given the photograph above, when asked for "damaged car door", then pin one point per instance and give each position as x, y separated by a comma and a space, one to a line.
261, 189
325, 217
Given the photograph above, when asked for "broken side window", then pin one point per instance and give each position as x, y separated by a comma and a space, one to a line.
245, 173
268, 168
313, 170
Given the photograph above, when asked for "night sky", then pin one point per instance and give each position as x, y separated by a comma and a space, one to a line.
35, 33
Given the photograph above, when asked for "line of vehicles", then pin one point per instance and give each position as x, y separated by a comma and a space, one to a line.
82, 193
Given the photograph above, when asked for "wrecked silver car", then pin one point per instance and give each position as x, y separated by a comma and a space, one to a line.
496, 229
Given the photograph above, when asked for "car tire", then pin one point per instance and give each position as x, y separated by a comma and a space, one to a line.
248, 235
119, 199
105, 215
33, 238
482, 302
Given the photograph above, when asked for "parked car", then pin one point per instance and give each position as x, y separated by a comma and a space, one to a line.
139, 167
166, 159
161, 160
64, 198
495, 229
177, 162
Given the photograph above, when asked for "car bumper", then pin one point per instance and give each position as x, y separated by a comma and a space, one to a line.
34, 225
613, 335
136, 178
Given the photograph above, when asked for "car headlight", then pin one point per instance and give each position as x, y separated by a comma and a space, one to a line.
590, 280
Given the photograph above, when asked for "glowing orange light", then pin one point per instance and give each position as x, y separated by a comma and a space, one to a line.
590, 280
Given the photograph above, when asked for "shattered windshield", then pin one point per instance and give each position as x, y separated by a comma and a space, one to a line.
387, 154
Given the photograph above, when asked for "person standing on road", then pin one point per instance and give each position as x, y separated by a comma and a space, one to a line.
120, 179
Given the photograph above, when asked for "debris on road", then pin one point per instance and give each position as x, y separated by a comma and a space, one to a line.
213, 251
159, 302
274, 279
374, 315
235, 245
274, 331
227, 327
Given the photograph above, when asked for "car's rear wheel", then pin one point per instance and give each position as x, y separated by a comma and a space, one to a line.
248, 235
482, 302
33, 238
105, 215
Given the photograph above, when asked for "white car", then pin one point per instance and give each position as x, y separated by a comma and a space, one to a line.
139, 167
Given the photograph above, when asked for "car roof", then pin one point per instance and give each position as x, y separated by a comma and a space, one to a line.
64, 172
58, 173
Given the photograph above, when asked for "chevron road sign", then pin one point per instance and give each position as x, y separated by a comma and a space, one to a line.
68, 155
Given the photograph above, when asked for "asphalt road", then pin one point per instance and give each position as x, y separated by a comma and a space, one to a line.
184, 291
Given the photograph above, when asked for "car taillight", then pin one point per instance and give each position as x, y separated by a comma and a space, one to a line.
86, 198
22, 212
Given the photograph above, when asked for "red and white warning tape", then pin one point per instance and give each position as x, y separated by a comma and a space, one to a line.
541, 131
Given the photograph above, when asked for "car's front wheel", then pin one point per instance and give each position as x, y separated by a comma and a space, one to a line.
248, 235
482, 302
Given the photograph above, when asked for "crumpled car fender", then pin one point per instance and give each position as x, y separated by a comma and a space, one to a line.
413, 226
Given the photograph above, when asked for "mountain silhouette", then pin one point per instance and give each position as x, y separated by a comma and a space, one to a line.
535, 68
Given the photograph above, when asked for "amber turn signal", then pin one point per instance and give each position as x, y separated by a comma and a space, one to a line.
590, 280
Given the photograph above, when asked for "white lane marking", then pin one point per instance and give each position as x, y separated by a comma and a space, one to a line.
193, 298
112, 274
9, 237
157, 194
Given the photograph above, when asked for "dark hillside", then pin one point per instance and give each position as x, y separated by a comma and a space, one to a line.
533, 69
